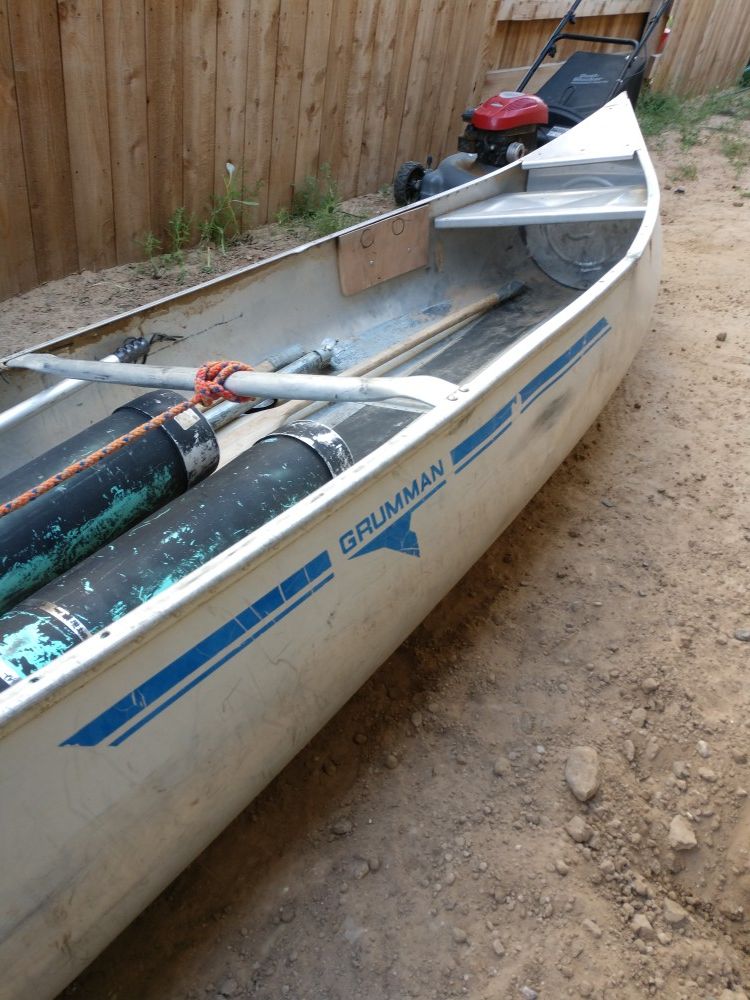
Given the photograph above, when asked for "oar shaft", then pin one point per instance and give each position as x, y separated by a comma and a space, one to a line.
259, 384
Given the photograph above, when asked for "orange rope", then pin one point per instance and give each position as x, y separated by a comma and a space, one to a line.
209, 388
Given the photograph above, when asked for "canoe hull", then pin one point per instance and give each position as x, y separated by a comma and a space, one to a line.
187, 718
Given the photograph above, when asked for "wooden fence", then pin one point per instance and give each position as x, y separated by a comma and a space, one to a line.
115, 113
709, 49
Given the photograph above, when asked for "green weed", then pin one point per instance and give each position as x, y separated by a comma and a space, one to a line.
152, 251
317, 205
223, 225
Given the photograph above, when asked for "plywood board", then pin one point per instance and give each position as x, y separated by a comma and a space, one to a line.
384, 250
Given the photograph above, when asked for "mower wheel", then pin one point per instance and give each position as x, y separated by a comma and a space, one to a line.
407, 184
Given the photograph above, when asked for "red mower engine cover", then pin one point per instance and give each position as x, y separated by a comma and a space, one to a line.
510, 110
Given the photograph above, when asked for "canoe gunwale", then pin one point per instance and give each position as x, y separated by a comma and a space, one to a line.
107, 649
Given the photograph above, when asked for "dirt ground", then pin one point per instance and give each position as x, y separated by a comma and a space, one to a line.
426, 843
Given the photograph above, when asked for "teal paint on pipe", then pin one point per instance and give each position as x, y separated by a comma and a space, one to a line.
58, 529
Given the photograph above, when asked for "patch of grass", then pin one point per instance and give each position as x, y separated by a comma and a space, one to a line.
317, 205
684, 172
736, 150
659, 113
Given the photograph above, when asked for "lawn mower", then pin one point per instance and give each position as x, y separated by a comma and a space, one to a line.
513, 123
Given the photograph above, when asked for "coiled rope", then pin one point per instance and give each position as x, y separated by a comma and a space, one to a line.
209, 389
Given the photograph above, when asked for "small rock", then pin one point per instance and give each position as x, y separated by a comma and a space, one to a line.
360, 868
663, 938
373, 863
593, 928
342, 827
739, 756
579, 830
287, 914
561, 868
360, 739
679, 190
642, 928
582, 772
228, 988
391, 761
638, 717
742, 634
704, 750
606, 502
673, 913
721, 336
681, 836
502, 767
460, 936
649, 685
640, 886
707, 774
528, 993
498, 947
680, 769
628, 748
416, 719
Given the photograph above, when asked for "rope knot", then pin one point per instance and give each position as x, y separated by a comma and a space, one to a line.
210, 379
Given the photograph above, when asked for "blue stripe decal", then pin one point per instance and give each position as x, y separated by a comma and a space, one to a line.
499, 434
479, 436
109, 721
555, 371
219, 663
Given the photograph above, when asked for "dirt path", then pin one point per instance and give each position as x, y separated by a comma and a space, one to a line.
426, 843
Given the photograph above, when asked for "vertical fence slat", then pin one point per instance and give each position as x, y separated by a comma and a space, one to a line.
231, 87
17, 262
397, 87
363, 42
85, 75
418, 74
317, 38
259, 102
449, 126
371, 174
163, 83
41, 101
337, 82
125, 44
199, 26
286, 102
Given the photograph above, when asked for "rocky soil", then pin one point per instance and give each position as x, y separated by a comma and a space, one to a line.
544, 792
